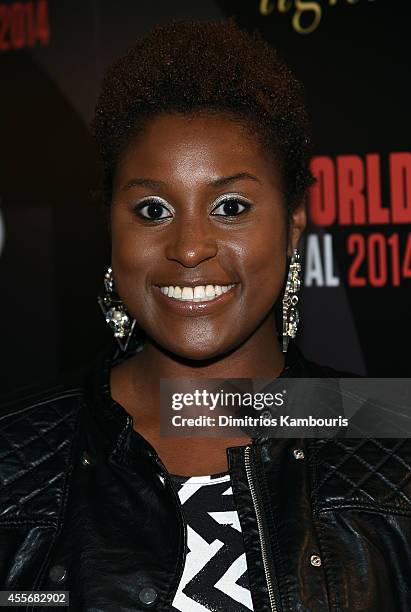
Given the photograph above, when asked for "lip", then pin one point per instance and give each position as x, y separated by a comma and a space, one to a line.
188, 307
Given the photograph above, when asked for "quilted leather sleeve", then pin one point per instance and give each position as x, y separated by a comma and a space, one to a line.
37, 438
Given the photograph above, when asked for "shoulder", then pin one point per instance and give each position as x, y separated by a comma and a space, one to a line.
53, 397
39, 430
70, 388
306, 368
37, 423
369, 473
319, 370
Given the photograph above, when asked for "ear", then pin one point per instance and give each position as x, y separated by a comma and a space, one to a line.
298, 221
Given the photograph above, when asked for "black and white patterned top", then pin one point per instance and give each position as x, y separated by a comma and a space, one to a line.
215, 573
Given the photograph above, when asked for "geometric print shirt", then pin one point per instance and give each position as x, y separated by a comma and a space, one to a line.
215, 576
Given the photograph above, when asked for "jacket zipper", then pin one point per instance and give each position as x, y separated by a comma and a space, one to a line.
271, 580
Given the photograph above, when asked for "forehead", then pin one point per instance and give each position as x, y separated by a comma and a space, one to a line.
195, 147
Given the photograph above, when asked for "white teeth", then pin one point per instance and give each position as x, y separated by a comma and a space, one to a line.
187, 293
200, 293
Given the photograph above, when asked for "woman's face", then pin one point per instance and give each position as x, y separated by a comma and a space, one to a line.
197, 203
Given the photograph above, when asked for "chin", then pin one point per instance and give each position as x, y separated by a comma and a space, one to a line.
195, 351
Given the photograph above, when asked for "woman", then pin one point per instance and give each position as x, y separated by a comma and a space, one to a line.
203, 134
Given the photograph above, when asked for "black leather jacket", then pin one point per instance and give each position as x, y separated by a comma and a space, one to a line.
86, 506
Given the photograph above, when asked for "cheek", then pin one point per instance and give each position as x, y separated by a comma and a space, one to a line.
265, 259
131, 259
132, 248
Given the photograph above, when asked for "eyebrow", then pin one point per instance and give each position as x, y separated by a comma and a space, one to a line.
143, 182
220, 182
240, 176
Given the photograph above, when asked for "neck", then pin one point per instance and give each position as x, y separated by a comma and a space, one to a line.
137, 380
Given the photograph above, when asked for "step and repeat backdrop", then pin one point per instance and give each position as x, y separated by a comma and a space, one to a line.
353, 57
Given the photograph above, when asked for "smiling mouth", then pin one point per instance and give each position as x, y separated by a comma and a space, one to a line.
198, 293
184, 303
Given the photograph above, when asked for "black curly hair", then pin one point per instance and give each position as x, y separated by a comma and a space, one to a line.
193, 66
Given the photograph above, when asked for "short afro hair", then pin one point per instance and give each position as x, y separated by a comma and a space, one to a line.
193, 66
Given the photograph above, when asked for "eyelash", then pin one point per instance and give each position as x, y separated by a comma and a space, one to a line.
222, 201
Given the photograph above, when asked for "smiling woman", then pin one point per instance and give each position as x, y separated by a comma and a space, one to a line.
210, 215
203, 134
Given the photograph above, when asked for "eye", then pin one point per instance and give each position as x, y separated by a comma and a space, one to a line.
232, 205
153, 208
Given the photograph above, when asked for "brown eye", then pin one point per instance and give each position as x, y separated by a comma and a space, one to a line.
231, 207
153, 209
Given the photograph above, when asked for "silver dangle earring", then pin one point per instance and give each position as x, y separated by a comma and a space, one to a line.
290, 300
115, 312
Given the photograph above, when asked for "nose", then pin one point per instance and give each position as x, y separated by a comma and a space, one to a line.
191, 243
